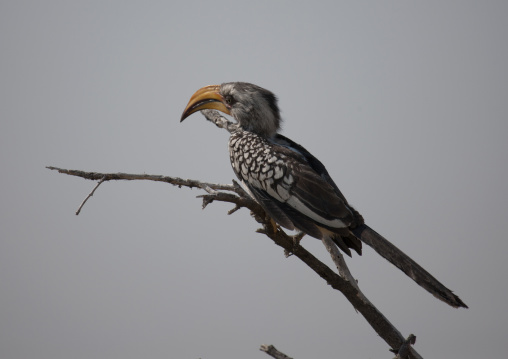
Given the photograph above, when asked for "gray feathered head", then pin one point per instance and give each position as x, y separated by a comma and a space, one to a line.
253, 107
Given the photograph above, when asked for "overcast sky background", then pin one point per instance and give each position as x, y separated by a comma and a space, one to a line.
405, 103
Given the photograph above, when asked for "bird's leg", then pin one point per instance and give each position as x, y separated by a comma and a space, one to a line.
297, 238
274, 226
296, 243
270, 227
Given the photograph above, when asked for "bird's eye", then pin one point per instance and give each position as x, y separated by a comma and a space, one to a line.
229, 100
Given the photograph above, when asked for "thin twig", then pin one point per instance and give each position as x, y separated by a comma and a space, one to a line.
89, 195
207, 188
233, 210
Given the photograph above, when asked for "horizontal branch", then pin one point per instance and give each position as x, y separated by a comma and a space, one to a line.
177, 181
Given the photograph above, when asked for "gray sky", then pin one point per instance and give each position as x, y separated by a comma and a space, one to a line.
404, 102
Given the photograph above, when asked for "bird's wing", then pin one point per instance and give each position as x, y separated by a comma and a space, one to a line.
312, 161
293, 190
314, 197
272, 207
283, 214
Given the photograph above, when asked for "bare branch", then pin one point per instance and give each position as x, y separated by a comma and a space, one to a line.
211, 188
233, 210
273, 352
233, 193
376, 319
177, 181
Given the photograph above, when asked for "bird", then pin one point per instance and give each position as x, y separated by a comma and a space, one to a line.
293, 186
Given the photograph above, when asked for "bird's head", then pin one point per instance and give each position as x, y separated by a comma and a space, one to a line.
253, 107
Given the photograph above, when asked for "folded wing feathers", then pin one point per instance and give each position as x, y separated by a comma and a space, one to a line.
304, 191
319, 197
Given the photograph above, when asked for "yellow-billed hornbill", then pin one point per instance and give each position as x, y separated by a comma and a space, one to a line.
291, 184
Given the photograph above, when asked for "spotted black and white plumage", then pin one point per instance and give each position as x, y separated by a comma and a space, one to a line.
291, 184
291, 191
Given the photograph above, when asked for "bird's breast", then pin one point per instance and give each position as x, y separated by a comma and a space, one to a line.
256, 161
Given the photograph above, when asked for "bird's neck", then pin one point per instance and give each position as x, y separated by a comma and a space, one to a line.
268, 135
265, 123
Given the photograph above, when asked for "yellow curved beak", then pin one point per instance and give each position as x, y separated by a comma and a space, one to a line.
207, 97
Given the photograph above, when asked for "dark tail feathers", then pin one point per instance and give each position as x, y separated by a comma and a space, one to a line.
406, 264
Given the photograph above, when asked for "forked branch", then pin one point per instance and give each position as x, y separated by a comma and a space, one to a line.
233, 193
